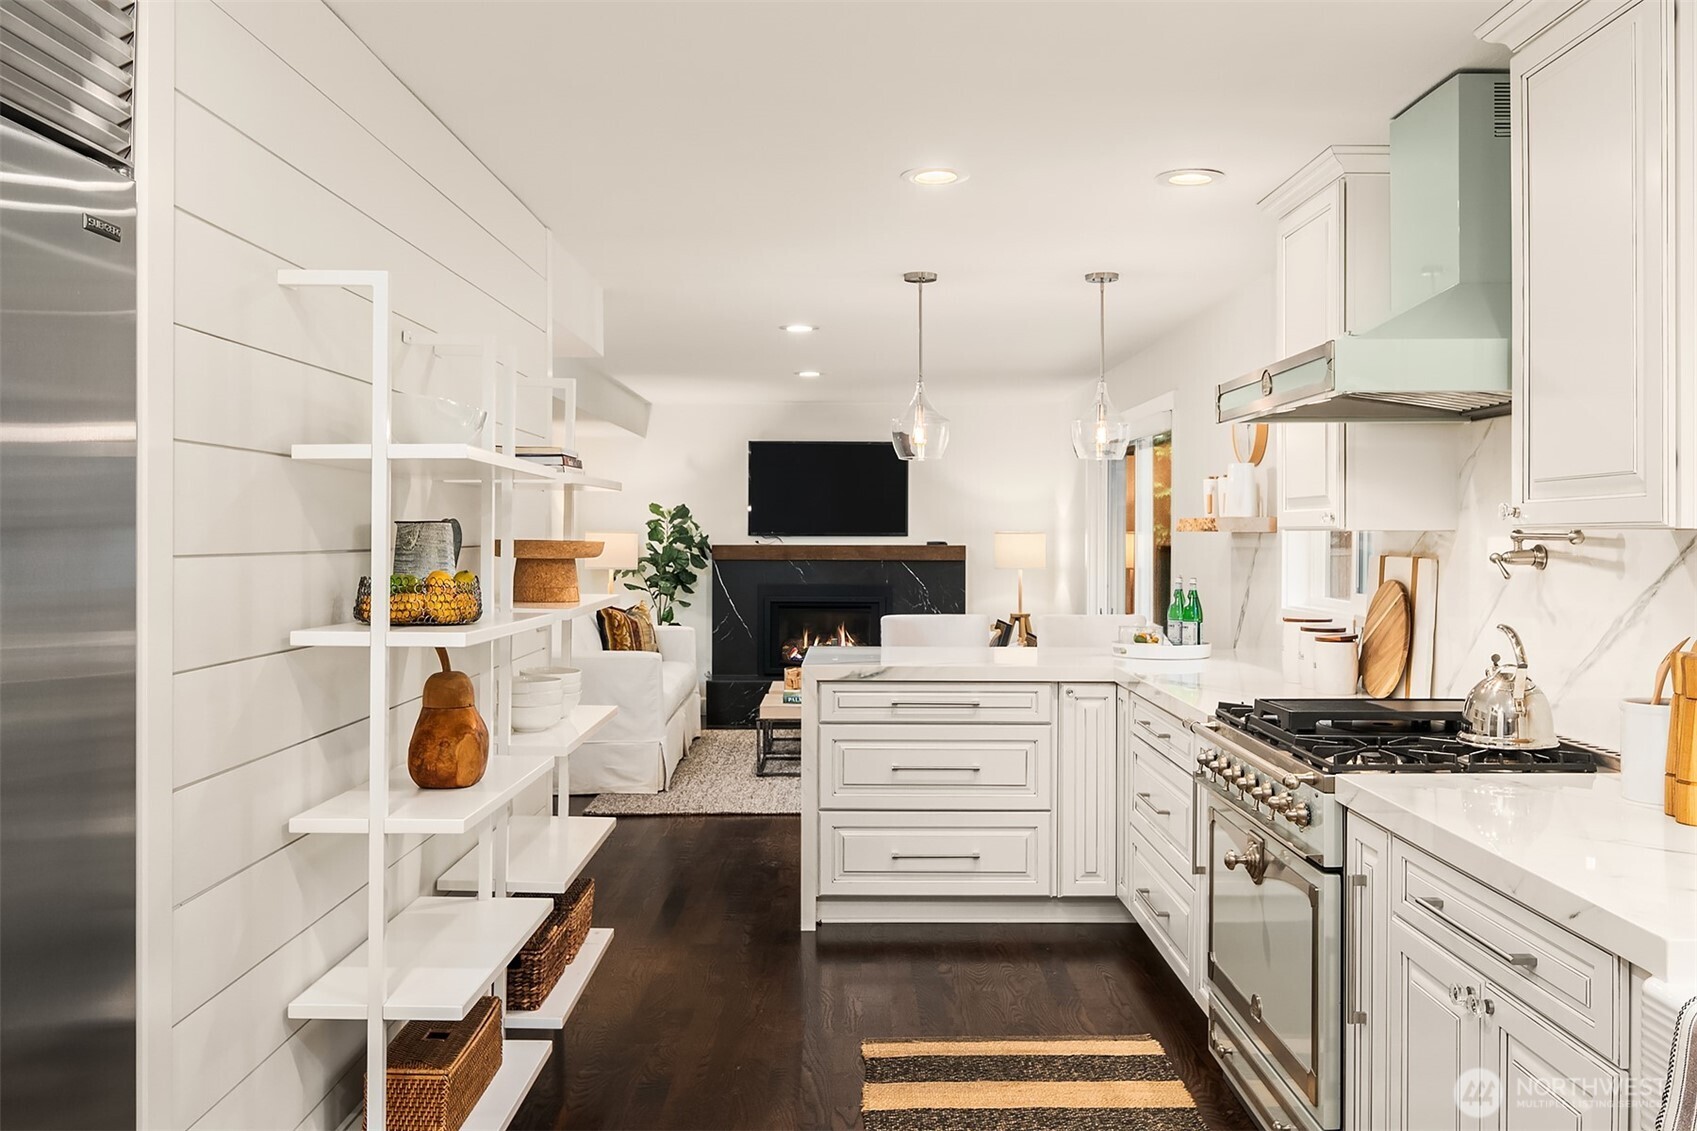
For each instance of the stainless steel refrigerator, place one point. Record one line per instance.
(67, 636)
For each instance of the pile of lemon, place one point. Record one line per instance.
(440, 598)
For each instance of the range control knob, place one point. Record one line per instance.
(1291, 781)
(1246, 783)
(1205, 756)
(1262, 792)
(1299, 816)
(1218, 765)
(1279, 802)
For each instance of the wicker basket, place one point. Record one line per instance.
(438, 1070)
(531, 976)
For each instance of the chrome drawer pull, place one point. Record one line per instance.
(1149, 800)
(934, 856)
(966, 706)
(1143, 894)
(937, 769)
(1525, 962)
(1150, 727)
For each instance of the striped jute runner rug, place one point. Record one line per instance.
(1051, 1084)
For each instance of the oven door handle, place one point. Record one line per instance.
(1354, 896)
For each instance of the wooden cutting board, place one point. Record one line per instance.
(1385, 640)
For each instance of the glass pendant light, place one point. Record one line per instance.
(921, 433)
(1100, 433)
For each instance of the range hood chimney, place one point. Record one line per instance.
(1444, 354)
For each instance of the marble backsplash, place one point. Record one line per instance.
(1595, 623)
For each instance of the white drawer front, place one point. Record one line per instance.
(937, 854)
(865, 701)
(936, 767)
(1166, 733)
(1161, 902)
(1161, 807)
(1570, 981)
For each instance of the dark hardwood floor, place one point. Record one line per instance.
(712, 1011)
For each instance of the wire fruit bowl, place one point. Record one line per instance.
(424, 602)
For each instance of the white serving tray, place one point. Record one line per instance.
(1164, 651)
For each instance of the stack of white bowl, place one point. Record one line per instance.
(538, 702)
(544, 696)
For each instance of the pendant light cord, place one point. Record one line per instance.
(1102, 339)
(921, 382)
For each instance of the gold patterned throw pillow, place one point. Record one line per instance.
(627, 630)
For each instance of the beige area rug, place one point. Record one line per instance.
(716, 776)
(1052, 1084)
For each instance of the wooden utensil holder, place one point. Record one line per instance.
(1680, 782)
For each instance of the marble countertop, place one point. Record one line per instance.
(1569, 846)
(1190, 689)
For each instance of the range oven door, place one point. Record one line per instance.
(1275, 923)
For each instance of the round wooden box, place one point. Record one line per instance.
(545, 571)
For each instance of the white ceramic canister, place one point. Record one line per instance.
(1643, 750)
(1243, 494)
(1337, 664)
(1305, 635)
(1290, 645)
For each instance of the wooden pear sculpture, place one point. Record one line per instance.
(450, 742)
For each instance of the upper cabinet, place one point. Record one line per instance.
(1333, 277)
(1601, 170)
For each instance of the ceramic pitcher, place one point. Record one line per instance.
(421, 547)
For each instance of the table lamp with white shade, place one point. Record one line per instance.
(1021, 550)
(619, 550)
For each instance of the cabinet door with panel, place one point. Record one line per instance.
(1547, 1081)
(1594, 363)
(1431, 1034)
(1366, 940)
(1310, 266)
(1088, 801)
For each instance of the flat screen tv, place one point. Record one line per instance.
(819, 487)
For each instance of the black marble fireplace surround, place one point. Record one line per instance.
(762, 595)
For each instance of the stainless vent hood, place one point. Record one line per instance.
(1445, 354)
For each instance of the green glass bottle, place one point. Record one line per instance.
(1176, 632)
(1193, 614)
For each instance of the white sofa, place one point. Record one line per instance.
(659, 700)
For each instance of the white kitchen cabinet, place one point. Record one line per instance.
(1333, 277)
(1547, 1081)
(1089, 737)
(1598, 413)
(1122, 817)
(1431, 1035)
(1366, 930)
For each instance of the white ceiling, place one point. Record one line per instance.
(726, 167)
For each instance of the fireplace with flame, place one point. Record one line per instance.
(795, 623)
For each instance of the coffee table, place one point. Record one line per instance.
(776, 715)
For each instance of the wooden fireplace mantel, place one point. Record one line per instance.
(777, 552)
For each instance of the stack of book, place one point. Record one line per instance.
(550, 456)
(793, 698)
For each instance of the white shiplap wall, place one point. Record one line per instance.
(294, 146)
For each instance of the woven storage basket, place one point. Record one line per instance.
(532, 976)
(438, 1070)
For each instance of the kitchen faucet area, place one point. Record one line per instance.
(917, 565)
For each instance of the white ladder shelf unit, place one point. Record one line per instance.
(441, 953)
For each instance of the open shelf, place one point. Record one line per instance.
(558, 1006)
(567, 734)
(443, 953)
(573, 477)
(521, 1064)
(461, 461)
(415, 810)
(544, 854)
(495, 625)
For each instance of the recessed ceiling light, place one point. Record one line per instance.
(798, 328)
(935, 176)
(808, 373)
(1190, 178)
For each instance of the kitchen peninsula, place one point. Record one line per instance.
(1310, 914)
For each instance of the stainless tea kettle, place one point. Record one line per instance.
(1505, 710)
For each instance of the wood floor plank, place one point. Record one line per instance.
(711, 1011)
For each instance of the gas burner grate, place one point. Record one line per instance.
(1358, 735)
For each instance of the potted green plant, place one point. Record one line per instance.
(667, 570)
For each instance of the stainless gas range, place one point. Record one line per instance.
(1275, 878)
